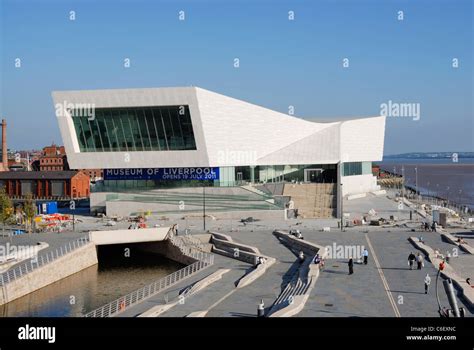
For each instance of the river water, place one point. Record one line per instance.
(441, 178)
(114, 276)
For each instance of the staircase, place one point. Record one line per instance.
(259, 192)
(298, 286)
(313, 200)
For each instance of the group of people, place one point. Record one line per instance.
(296, 233)
(427, 227)
(418, 258)
(365, 257)
(318, 261)
(260, 261)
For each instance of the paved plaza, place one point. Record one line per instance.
(385, 287)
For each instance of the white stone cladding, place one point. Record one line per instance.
(228, 132)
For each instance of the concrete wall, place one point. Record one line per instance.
(359, 184)
(296, 245)
(125, 208)
(224, 245)
(168, 250)
(63, 267)
(129, 236)
(97, 200)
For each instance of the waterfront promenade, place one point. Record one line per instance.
(383, 288)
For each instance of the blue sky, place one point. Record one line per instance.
(282, 62)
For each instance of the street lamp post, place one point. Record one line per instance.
(437, 193)
(403, 181)
(394, 175)
(342, 209)
(416, 182)
(428, 190)
(459, 200)
(73, 207)
(204, 205)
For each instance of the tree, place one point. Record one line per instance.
(29, 209)
(6, 207)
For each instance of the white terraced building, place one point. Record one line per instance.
(189, 130)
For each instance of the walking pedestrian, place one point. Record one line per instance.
(411, 260)
(419, 261)
(301, 257)
(351, 266)
(427, 283)
(365, 254)
(317, 259)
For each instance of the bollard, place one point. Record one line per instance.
(411, 215)
(261, 309)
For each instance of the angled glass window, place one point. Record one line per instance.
(152, 130)
(352, 168)
(135, 129)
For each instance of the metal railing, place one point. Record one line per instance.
(187, 247)
(193, 241)
(41, 260)
(121, 304)
(432, 199)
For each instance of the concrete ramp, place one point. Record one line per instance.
(129, 236)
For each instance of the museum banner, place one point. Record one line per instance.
(162, 174)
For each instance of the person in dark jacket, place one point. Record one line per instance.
(411, 260)
(351, 266)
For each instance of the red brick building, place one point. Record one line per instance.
(48, 184)
(53, 158)
(94, 174)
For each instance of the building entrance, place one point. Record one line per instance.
(313, 175)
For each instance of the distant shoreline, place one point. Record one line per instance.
(426, 161)
(442, 179)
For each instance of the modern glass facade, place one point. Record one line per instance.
(352, 168)
(357, 168)
(236, 176)
(135, 129)
(232, 176)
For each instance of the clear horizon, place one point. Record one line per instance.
(283, 62)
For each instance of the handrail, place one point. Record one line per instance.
(194, 242)
(42, 260)
(119, 305)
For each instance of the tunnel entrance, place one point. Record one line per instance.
(122, 268)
